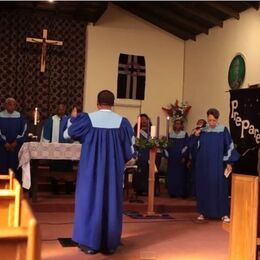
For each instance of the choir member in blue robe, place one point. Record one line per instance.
(54, 126)
(107, 144)
(177, 157)
(214, 152)
(201, 123)
(53, 133)
(140, 179)
(12, 135)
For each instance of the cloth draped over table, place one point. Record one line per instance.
(40, 150)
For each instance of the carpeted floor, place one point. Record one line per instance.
(177, 238)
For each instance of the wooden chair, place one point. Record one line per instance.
(10, 202)
(6, 181)
(23, 242)
(244, 218)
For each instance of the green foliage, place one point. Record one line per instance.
(160, 143)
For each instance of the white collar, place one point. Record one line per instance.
(107, 110)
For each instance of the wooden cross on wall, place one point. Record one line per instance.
(44, 42)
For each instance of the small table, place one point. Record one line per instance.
(41, 150)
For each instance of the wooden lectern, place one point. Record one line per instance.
(243, 227)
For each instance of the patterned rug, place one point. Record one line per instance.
(138, 215)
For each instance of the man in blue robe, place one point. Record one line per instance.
(140, 178)
(54, 125)
(214, 152)
(177, 156)
(12, 135)
(107, 144)
(53, 133)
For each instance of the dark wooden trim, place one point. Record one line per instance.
(166, 13)
(198, 13)
(254, 4)
(157, 21)
(221, 7)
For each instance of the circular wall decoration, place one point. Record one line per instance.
(236, 72)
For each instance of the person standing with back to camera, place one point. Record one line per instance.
(107, 144)
(214, 152)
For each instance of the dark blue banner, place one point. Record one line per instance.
(244, 122)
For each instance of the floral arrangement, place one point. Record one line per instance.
(143, 143)
(178, 110)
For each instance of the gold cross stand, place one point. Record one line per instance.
(44, 41)
(150, 209)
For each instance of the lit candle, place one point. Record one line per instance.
(153, 131)
(35, 116)
(138, 126)
(167, 126)
(158, 127)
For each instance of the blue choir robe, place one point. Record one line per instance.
(52, 132)
(177, 155)
(140, 179)
(12, 128)
(107, 144)
(192, 157)
(214, 149)
(53, 129)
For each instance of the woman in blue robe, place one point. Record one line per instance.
(214, 152)
(177, 157)
(107, 144)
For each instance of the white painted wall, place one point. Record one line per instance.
(121, 32)
(207, 62)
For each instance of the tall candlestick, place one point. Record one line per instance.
(167, 126)
(35, 116)
(148, 129)
(153, 131)
(138, 126)
(158, 127)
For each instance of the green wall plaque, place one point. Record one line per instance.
(236, 72)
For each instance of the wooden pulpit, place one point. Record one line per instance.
(243, 227)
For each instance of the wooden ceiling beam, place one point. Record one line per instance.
(101, 11)
(156, 21)
(90, 10)
(223, 8)
(83, 11)
(162, 11)
(254, 4)
(190, 9)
